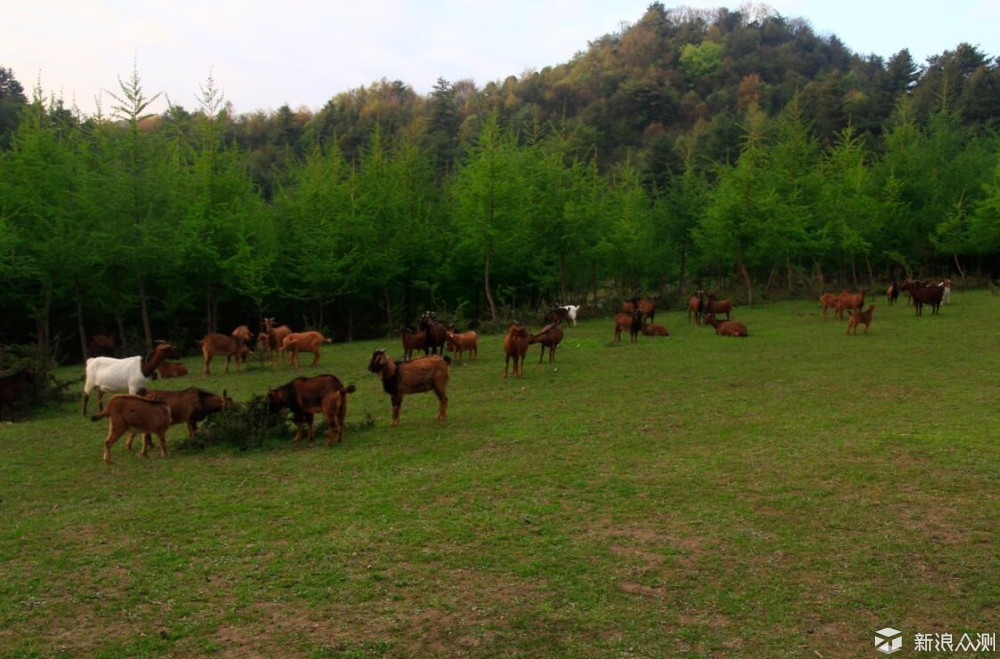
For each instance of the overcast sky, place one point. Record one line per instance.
(265, 54)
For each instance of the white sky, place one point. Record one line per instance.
(265, 54)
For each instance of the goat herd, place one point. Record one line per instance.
(149, 413)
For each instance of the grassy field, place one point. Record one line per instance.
(782, 495)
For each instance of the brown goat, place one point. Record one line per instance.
(171, 370)
(412, 341)
(557, 315)
(297, 342)
(850, 302)
(696, 305)
(828, 301)
(921, 295)
(632, 322)
(550, 337)
(515, 346)
(716, 307)
(860, 318)
(273, 336)
(428, 373)
(652, 329)
(436, 334)
(220, 345)
(463, 341)
(726, 327)
(188, 406)
(307, 396)
(135, 414)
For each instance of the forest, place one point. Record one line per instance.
(733, 150)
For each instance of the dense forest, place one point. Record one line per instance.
(737, 150)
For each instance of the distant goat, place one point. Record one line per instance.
(428, 373)
(850, 302)
(297, 342)
(557, 315)
(132, 373)
(710, 305)
(462, 342)
(307, 396)
(135, 414)
(550, 337)
(436, 334)
(726, 327)
(892, 293)
(515, 347)
(631, 321)
(571, 311)
(412, 341)
(696, 306)
(921, 295)
(273, 336)
(652, 329)
(101, 345)
(828, 301)
(171, 370)
(860, 318)
(13, 386)
(220, 345)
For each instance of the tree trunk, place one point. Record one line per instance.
(958, 267)
(489, 293)
(81, 330)
(147, 332)
(747, 283)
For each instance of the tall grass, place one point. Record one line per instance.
(783, 495)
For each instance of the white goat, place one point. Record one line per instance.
(571, 310)
(132, 373)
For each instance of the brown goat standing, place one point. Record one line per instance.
(463, 341)
(135, 414)
(515, 346)
(550, 337)
(696, 305)
(850, 302)
(632, 321)
(862, 318)
(297, 342)
(188, 406)
(307, 396)
(428, 373)
(274, 336)
(412, 341)
(220, 345)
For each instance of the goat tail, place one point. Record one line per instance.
(350, 389)
(100, 415)
(447, 359)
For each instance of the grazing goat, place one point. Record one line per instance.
(428, 373)
(828, 301)
(726, 327)
(131, 373)
(860, 318)
(515, 346)
(297, 342)
(696, 306)
(631, 321)
(436, 334)
(188, 406)
(550, 337)
(101, 345)
(307, 396)
(220, 345)
(463, 341)
(921, 295)
(13, 386)
(571, 311)
(850, 302)
(652, 329)
(171, 370)
(273, 336)
(710, 305)
(556, 315)
(135, 414)
(412, 341)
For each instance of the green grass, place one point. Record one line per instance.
(783, 495)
